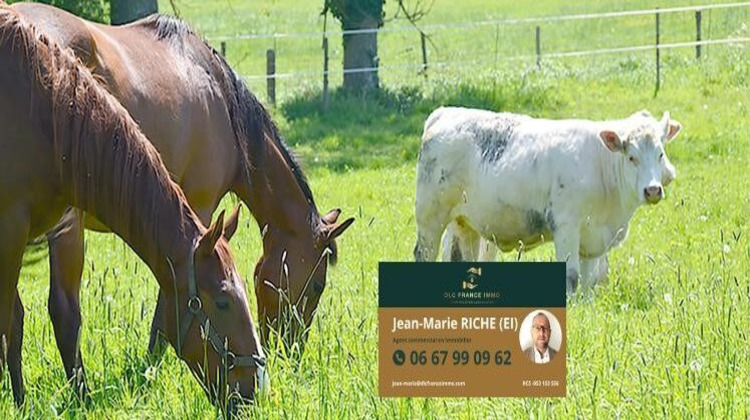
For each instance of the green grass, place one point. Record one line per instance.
(665, 337)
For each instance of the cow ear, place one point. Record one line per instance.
(208, 241)
(611, 140)
(671, 127)
(230, 226)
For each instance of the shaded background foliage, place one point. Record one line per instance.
(352, 12)
(96, 10)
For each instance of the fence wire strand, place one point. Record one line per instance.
(464, 25)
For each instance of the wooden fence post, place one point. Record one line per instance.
(538, 47)
(424, 55)
(698, 18)
(325, 73)
(658, 55)
(271, 75)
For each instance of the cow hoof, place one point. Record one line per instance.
(572, 281)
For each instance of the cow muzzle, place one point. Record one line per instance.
(653, 194)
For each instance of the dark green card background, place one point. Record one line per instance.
(431, 285)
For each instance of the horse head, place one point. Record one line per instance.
(211, 325)
(290, 277)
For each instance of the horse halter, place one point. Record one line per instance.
(229, 360)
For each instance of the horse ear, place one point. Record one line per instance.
(334, 231)
(208, 241)
(331, 217)
(230, 227)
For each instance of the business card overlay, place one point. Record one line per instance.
(472, 330)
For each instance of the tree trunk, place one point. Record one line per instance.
(361, 52)
(126, 11)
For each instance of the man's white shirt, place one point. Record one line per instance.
(541, 358)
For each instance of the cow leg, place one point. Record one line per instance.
(487, 251)
(593, 271)
(427, 245)
(14, 231)
(603, 269)
(433, 214)
(589, 268)
(66, 268)
(428, 237)
(464, 244)
(451, 247)
(567, 246)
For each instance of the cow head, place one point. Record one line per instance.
(640, 142)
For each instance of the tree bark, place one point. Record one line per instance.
(126, 11)
(361, 52)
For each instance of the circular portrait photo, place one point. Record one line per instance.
(540, 336)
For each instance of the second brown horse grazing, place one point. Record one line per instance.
(66, 141)
(215, 137)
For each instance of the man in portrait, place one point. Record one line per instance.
(540, 351)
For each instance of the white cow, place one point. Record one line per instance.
(518, 181)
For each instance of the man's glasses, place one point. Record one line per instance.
(541, 328)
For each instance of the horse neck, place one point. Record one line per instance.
(110, 170)
(274, 196)
(105, 166)
(157, 226)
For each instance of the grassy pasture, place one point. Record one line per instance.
(665, 337)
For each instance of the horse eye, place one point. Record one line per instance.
(633, 160)
(222, 302)
(318, 287)
(661, 156)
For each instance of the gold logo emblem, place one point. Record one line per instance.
(474, 273)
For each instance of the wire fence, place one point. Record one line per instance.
(457, 25)
(405, 58)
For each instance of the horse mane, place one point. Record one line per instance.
(166, 27)
(250, 120)
(105, 162)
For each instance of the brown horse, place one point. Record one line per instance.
(66, 141)
(215, 137)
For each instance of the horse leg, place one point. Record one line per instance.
(66, 268)
(14, 352)
(14, 231)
